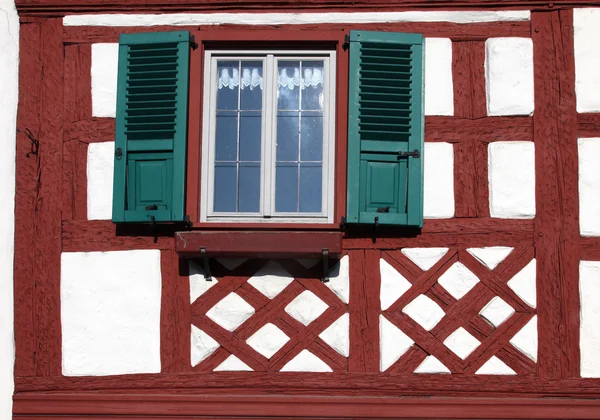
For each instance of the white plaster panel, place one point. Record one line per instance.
(110, 312)
(523, 283)
(491, 256)
(232, 363)
(9, 51)
(439, 92)
(231, 311)
(509, 76)
(271, 279)
(339, 279)
(268, 340)
(306, 307)
(203, 345)
(198, 284)
(526, 340)
(192, 19)
(393, 284)
(458, 280)
(495, 366)
(425, 258)
(337, 335)
(438, 188)
(393, 343)
(461, 343)
(105, 62)
(431, 365)
(589, 184)
(424, 312)
(100, 171)
(589, 337)
(586, 25)
(512, 179)
(497, 311)
(305, 361)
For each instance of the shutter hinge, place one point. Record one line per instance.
(346, 43)
(415, 153)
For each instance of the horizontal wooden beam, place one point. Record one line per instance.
(258, 244)
(89, 404)
(437, 129)
(58, 7)
(588, 125)
(590, 249)
(454, 31)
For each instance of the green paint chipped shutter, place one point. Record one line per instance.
(151, 127)
(385, 121)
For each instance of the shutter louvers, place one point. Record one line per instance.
(151, 127)
(385, 129)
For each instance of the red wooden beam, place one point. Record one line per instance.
(86, 405)
(590, 249)
(588, 125)
(557, 220)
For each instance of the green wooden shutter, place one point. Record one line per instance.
(151, 127)
(385, 121)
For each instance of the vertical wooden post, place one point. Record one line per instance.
(557, 223)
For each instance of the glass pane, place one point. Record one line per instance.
(225, 187)
(310, 188)
(251, 85)
(250, 130)
(287, 136)
(311, 143)
(228, 84)
(312, 85)
(249, 195)
(288, 82)
(226, 136)
(286, 187)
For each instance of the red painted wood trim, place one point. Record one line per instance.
(468, 72)
(46, 240)
(78, 82)
(590, 249)
(175, 316)
(455, 31)
(267, 244)
(303, 406)
(74, 184)
(445, 129)
(27, 182)
(588, 125)
(482, 192)
(557, 223)
(54, 7)
(341, 129)
(104, 235)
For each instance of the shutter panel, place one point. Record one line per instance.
(385, 123)
(151, 127)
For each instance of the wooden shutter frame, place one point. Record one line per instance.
(177, 204)
(414, 215)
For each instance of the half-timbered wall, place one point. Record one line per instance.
(495, 297)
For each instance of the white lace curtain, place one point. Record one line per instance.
(251, 78)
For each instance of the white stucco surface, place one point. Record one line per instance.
(339, 279)
(424, 312)
(432, 365)
(268, 340)
(438, 189)
(198, 284)
(9, 51)
(458, 280)
(105, 60)
(271, 279)
(496, 311)
(586, 25)
(495, 366)
(526, 340)
(232, 363)
(337, 335)
(203, 345)
(306, 361)
(231, 311)
(511, 176)
(393, 343)
(439, 92)
(523, 283)
(425, 258)
(462, 343)
(100, 171)
(491, 256)
(306, 307)
(509, 76)
(110, 312)
(589, 184)
(589, 333)
(191, 19)
(393, 284)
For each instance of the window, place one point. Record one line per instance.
(268, 130)
(267, 148)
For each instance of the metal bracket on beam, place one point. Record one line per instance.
(205, 260)
(325, 278)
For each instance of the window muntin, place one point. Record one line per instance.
(268, 137)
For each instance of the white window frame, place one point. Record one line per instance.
(267, 212)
